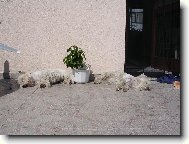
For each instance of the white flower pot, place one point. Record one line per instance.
(81, 76)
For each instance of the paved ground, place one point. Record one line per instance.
(88, 109)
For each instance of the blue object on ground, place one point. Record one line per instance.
(169, 79)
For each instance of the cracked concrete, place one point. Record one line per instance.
(88, 109)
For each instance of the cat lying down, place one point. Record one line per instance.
(45, 78)
(124, 81)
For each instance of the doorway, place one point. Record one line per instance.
(152, 35)
(135, 47)
(138, 34)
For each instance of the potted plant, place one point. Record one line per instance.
(75, 59)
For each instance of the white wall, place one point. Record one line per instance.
(43, 29)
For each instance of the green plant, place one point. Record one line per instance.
(75, 58)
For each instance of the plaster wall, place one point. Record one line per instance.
(43, 29)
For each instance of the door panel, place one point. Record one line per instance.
(166, 33)
(135, 42)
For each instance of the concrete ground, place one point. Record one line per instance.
(89, 109)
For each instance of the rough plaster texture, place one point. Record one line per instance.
(43, 30)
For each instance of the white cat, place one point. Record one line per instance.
(124, 81)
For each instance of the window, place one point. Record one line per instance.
(136, 19)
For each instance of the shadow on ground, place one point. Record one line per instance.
(8, 86)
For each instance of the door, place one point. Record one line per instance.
(138, 34)
(166, 34)
(135, 34)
